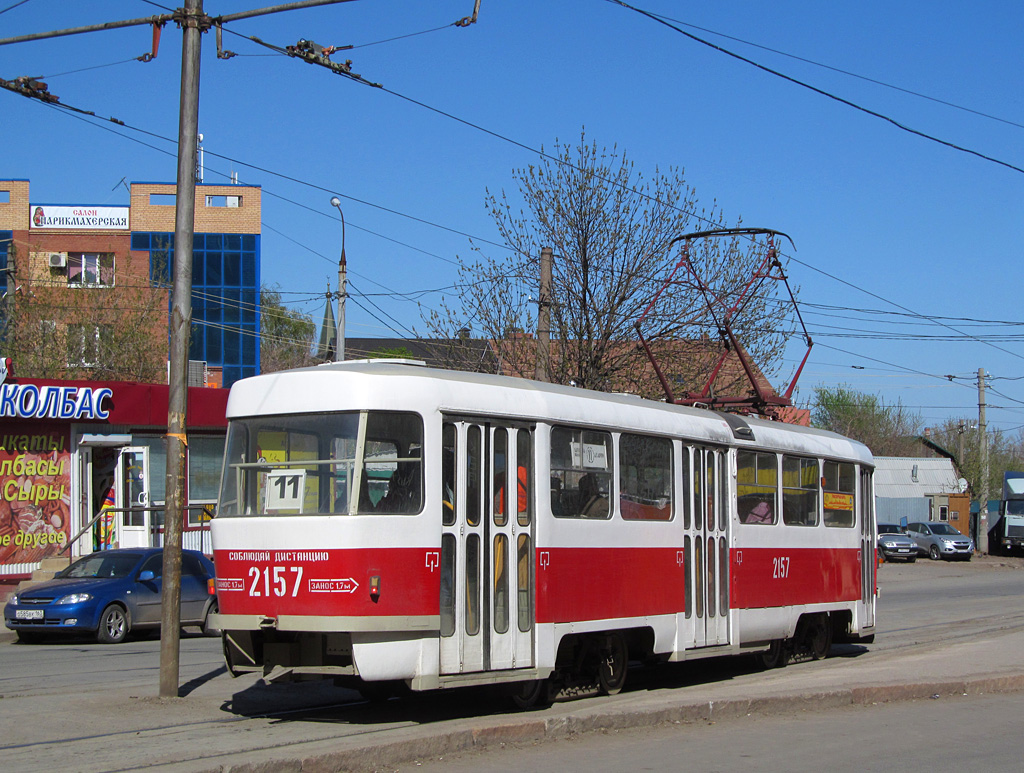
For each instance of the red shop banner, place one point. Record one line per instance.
(35, 493)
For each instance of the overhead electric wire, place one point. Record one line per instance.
(933, 320)
(841, 71)
(12, 7)
(699, 217)
(816, 90)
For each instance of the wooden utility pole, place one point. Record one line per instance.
(544, 317)
(983, 443)
(193, 23)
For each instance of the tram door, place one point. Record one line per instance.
(709, 564)
(487, 582)
(866, 519)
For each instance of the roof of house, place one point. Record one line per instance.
(431, 350)
(907, 476)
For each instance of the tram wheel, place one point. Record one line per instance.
(776, 656)
(819, 637)
(533, 694)
(613, 659)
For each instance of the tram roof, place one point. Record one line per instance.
(362, 382)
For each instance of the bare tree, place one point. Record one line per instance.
(116, 332)
(610, 229)
(1005, 452)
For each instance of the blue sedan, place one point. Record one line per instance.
(111, 593)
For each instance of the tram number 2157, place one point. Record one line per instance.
(274, 580)
(780, 567)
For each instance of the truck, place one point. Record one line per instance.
(1006, 530)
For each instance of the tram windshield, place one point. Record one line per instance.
(354, 463)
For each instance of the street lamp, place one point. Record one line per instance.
(339, 347)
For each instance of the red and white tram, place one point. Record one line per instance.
(387, 522)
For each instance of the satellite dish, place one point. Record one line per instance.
(962, 485)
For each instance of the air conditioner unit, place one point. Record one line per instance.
(58, 260)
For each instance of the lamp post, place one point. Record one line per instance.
(339, 347)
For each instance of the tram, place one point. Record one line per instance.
(383, 523)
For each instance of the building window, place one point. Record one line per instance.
(90, 269)
(943, 513)
(224, 201)
(85, 344)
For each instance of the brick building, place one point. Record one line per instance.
(92, 267)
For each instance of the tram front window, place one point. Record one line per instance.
(350, 463)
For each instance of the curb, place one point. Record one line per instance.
(528, 730)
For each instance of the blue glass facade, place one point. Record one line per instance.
(225, 296)
(5, 247)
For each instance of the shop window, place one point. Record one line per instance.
(90, 269)
(205, 454)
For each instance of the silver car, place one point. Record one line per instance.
(894, 545)
(938, 539)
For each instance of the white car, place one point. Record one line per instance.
(938, 539)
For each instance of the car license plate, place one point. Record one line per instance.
(28, 614)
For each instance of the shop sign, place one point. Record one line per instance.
(28, 401)
(79, 218)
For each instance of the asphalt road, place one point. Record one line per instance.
(93, 704)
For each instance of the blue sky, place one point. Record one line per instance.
(884, 222)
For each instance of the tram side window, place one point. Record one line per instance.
(645, 478)
(799, 491)
(581, 475)
(393, 464)
(838, 483)
(757, 486)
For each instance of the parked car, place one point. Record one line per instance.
(894, 545)
(110, 593)
(940, 540)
